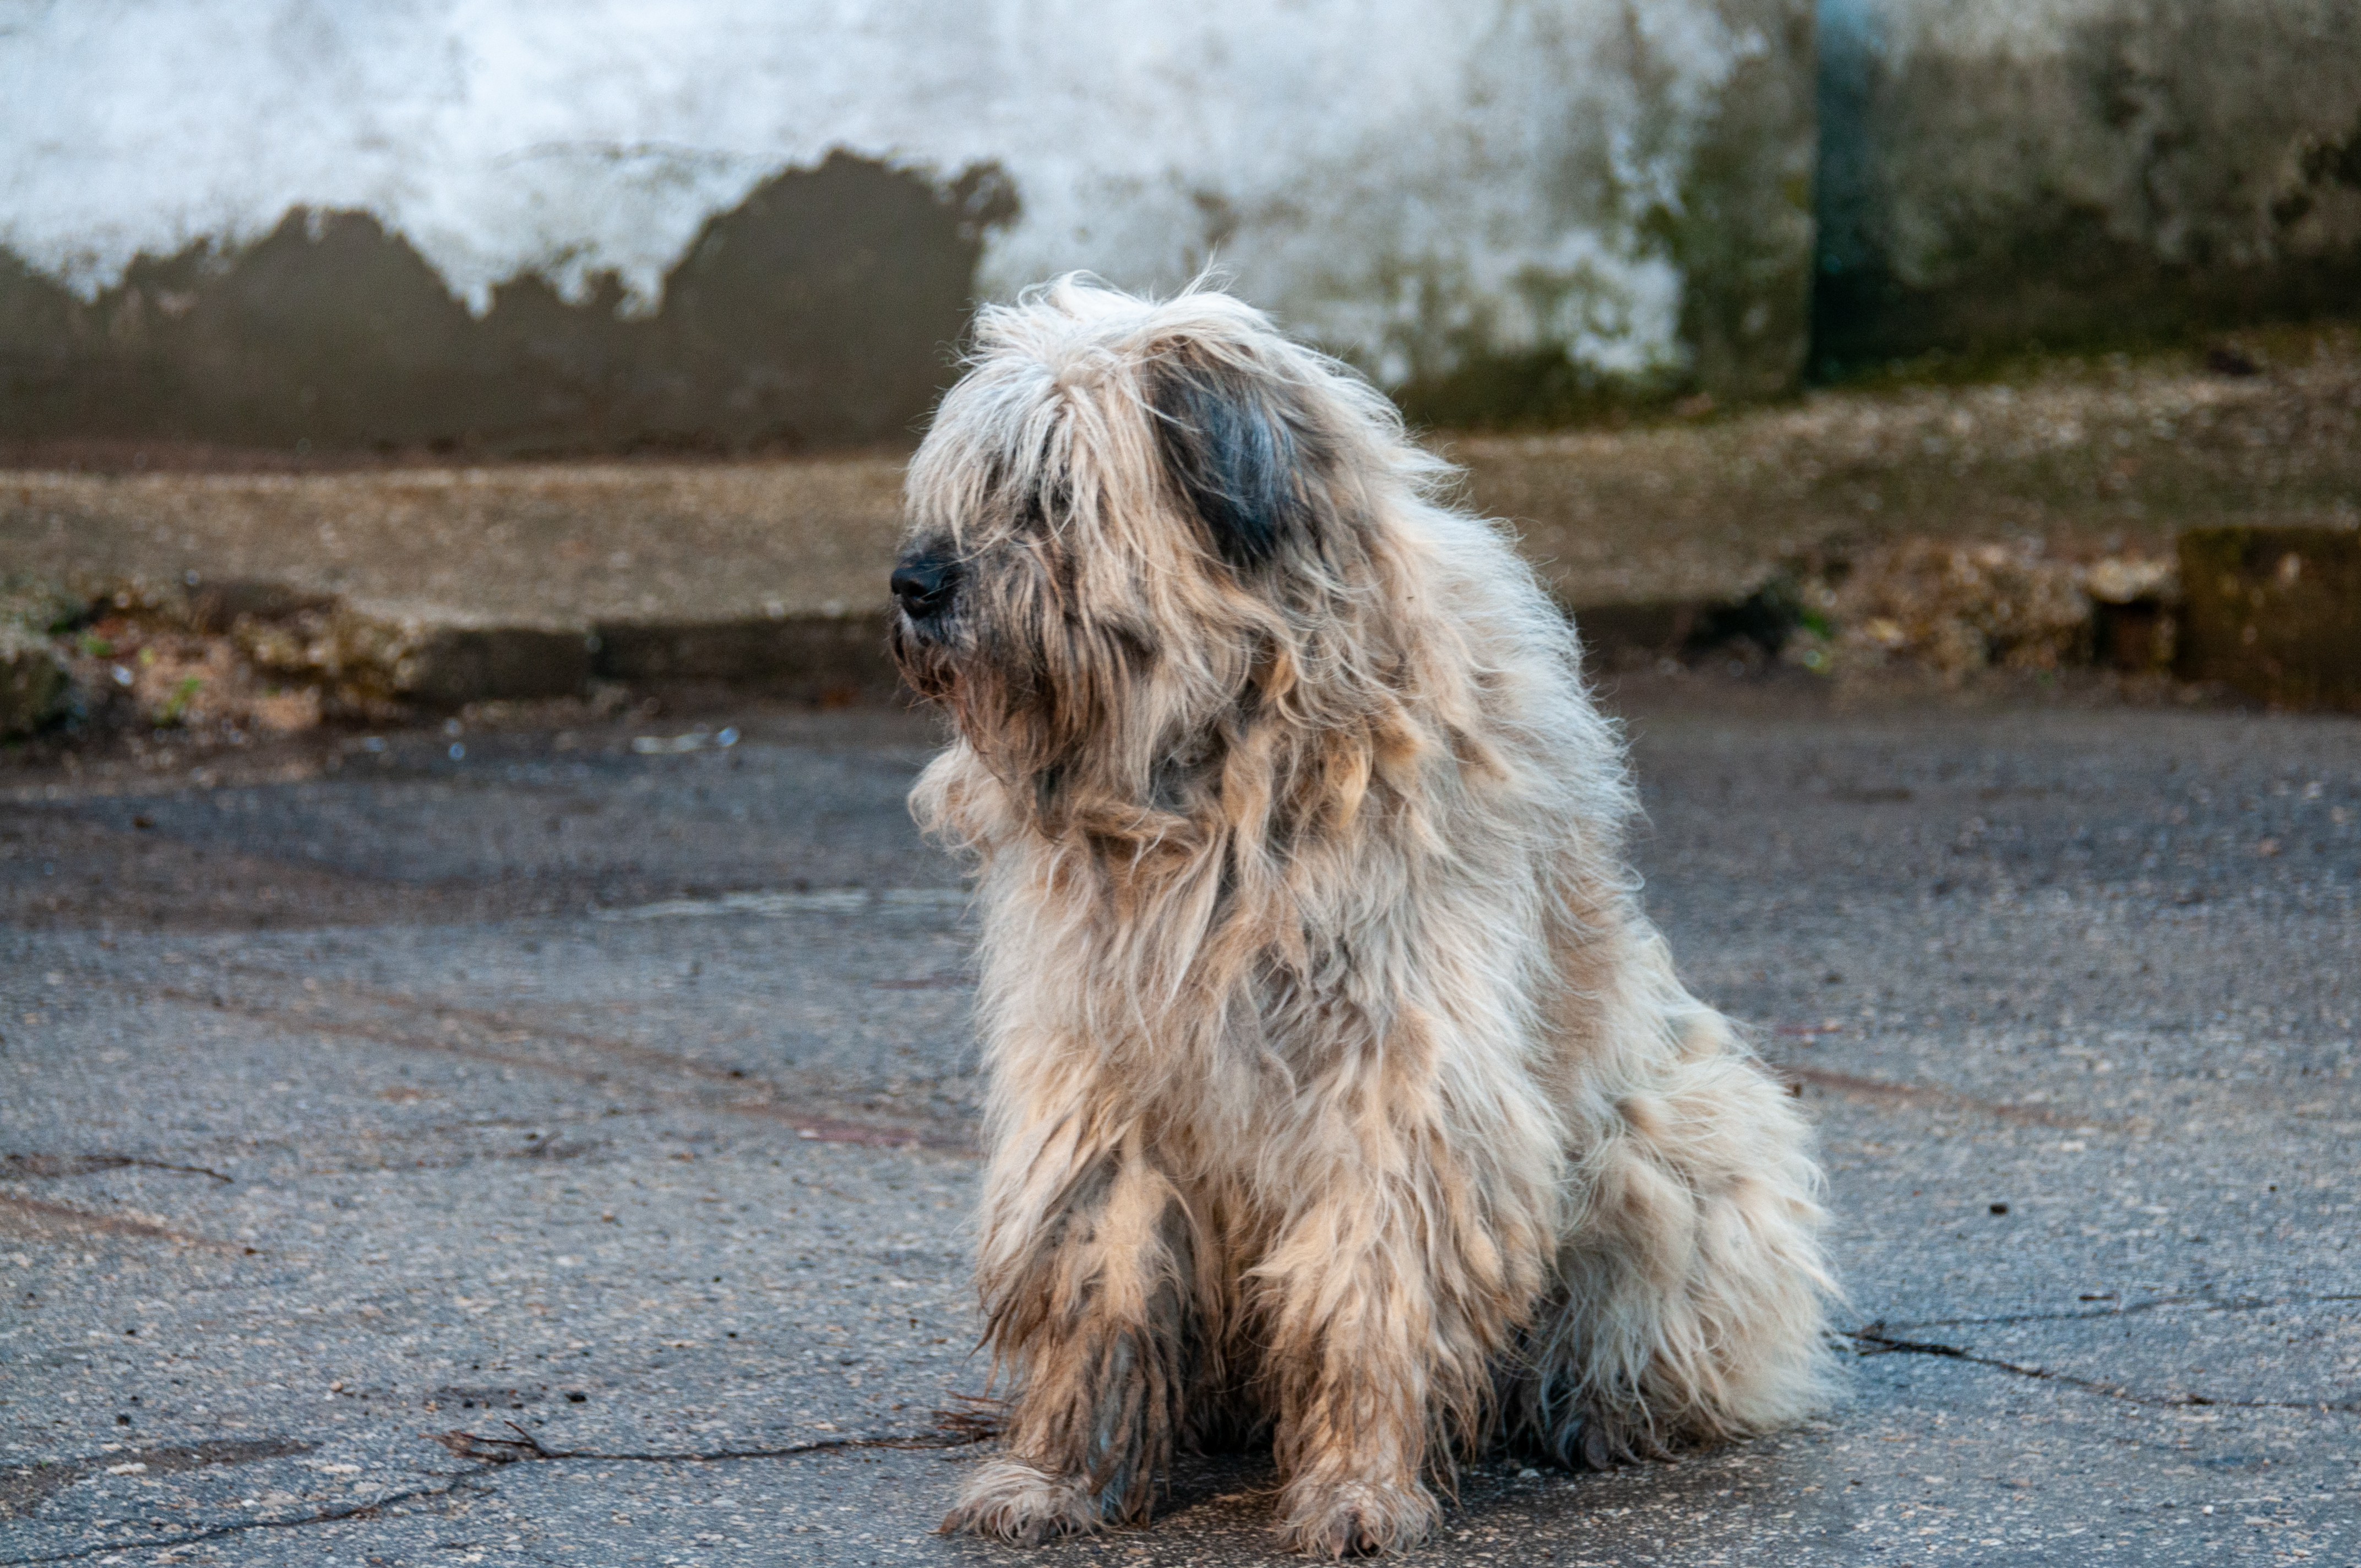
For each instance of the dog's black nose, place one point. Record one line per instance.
(923, 586)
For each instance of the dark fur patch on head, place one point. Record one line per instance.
(1237, 453)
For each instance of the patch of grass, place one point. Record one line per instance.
(176, 708)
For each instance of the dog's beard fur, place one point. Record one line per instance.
(1340, 1090)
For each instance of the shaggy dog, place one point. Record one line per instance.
(1342, 1096)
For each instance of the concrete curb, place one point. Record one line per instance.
(2275, 612)
(824, 659)
(32, 683)
(809, 658)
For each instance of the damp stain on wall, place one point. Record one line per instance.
(2082, 171)
(822, 311)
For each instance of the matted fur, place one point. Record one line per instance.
(1340, 1091)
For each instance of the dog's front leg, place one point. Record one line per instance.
(1086, 1270)
(1374, 1351)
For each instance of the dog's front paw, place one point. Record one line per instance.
(1011, 1501)
(1354, 1518)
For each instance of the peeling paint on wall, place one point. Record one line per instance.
(1472, 201)
(1993, 171)
(813, 313)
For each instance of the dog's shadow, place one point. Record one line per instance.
(1221, 1506)
(1220, 1485)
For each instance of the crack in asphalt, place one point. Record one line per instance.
(953, 1428)
(1932, 1095)
(818, 1129)
(50, 1166)
(24, 1488)
(1878, 1342)
(2130, 1309)
(38, 1214)
(496, 1022)
(214, 1533)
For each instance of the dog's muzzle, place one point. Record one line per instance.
(924, 585)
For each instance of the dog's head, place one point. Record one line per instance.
(1132, 525)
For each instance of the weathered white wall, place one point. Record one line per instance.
(1410, 180)
(1999, 169)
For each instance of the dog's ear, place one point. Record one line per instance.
(1237, 451)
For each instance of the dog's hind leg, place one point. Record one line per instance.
(1690, 1289)
(1087, 1269)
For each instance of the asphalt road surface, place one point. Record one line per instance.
(559, 1152)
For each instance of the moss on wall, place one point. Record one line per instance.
(2106, 171)
(1737, 232)
(1744, 234)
